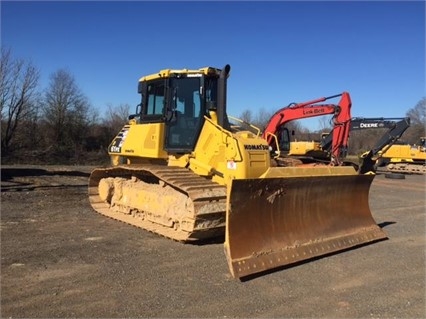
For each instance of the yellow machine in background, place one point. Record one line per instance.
(182, 170)
(406, 158)
(310, 149)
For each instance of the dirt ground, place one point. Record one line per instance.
(59, 259)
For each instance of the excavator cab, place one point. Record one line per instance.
(284, 140)
(422, 143)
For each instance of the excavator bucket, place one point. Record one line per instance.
(296, 216)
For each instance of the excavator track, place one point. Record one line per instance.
(407, 168)
(169, 201)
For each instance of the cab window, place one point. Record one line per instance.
(153, 101)
(155, 98)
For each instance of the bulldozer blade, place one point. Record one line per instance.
(273, 222)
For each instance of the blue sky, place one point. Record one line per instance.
(279, 51)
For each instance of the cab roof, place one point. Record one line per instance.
(166, 73)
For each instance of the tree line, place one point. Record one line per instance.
(58, 124)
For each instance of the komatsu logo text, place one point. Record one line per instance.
(256, 147)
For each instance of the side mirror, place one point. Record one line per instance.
(137, 115)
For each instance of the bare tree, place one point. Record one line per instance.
(117, 116)
(18, 95)
(66, 111)
(262, 118)
(103, 132)
(246, 116)
(417, 116)
(325, 123)
(418, 113)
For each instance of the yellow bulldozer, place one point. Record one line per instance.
(183, 169)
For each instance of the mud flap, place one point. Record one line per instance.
(274, 222)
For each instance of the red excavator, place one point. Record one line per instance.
(278, 136)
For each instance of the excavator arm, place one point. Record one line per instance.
(395, 131)
(296, 111)
(396, 127)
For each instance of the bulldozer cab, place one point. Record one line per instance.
(180, 102)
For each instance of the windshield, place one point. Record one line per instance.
(186, 97)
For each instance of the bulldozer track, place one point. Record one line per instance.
(207, 201)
